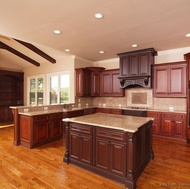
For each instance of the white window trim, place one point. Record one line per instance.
(48, 85)
(28, 88)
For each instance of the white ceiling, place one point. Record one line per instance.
(161, 24)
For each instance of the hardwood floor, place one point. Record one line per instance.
(43, 167)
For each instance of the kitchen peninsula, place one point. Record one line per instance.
(118, 147)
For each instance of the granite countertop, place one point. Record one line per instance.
(49, 111)
(121, 122)
(35, 113)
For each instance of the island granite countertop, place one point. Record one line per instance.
(120, 122)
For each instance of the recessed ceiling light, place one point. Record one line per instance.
(57, 31)
(98, 15)
(101, 52)
(134, 45)
(188, 35)
(67, 50)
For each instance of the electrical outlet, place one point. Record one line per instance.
(25, 109)
(79, 100)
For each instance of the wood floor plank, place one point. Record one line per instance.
(43, 167)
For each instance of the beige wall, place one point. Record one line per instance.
(66, 62)
(167, 56)
(63, 63)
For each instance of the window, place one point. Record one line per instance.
(59, 88)
(36, 90)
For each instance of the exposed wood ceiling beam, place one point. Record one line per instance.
(37, 51)
(10, 49)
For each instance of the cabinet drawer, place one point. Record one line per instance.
(75, 113)
(154, 114)
(173, 115)
(106, 110)
(81, 128)
(56, 116)
(41, 118)
(110, 133)
(116, 111)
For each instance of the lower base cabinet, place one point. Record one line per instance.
(169, 124)
(41, 129)
(81, 143)
(110, 156)
(173, 125)
(113, 153)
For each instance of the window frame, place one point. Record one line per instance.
(49, 75)
(36, 77)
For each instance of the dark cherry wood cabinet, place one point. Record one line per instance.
(55, 126)
(83, 82)
(187, 58)
(81, 143)
(136, 63)
(156, 123)
(173, 125)
(11, 94)
(111, 150)
(40, 129)
(110, 84)
(95, 83)
(73, 113)
(109, 111)
(89, 111)
(113, 153)
(170, 80)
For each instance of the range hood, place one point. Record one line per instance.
(136, 68)
(126, 82)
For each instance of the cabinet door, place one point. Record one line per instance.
(115, 84)
(102, 154)
(117, 155)
(55, 126)
(144, 64)
(56, 129)
(156, 122)
(177, 85)
(105, 84)
(86, 149)
(87, 82)
(134, 65)
(75, 145)
(178, 128)
(95, 84)
(161, 81)
(124, 66)
(80, 82)
(41, 132)
(167, 127)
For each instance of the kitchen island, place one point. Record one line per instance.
(118, 147)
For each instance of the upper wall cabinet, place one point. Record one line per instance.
(97, 82)
(83, 82)
(170, 80)
(110, 85)
(135, 66)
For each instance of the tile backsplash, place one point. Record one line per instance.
(136, 97)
